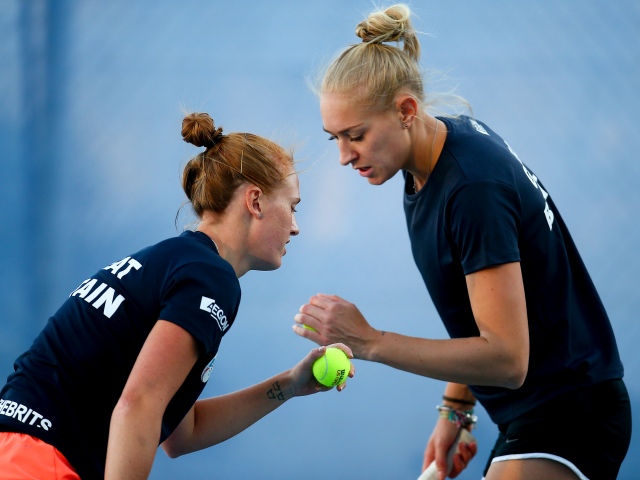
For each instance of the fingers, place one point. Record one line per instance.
(466, 451)
(438, 446)
(306, 363)
(316, 353)
(310, 317)
(352, 368)
(323, 296)
(325, 302)
(306, 331)
(427, 458)
(303, 381)
(309, 334)
(315, 309)
(342, 347)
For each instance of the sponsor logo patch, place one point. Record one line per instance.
(209, 305)
(206, 373)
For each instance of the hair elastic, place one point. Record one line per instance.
(458, 400)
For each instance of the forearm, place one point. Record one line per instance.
(217, 419)
(458, 396)
(133, 442)
(468, 361)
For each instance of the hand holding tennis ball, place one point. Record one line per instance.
(307, 379)
(332, 369)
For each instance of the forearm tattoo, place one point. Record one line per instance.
(275, 392)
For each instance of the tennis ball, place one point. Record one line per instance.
(309, 328)
(332, 368)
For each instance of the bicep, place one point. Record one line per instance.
(498, 302)
(163, 363)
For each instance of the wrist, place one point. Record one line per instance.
(462, 418)
(370, 349)
(283, 388)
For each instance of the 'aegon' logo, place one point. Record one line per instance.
(209, 305)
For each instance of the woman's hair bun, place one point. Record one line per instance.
(198, 129)
(388, 25)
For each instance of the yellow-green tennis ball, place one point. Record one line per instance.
(309, 328)
(332, 368)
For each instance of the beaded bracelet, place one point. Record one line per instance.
(462, 418)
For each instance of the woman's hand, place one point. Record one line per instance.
(335, 320)
(302, 381)
(442, 438)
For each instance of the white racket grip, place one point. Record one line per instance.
(431, 472)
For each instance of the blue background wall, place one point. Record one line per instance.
(92, 95)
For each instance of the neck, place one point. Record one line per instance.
(428, 147)
(225, 241)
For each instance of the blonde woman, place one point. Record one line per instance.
(530, 338)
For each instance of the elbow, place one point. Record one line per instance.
(516, 373)
(175, 445)
(516, 379)
(170, 450)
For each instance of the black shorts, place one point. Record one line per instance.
(588, 430)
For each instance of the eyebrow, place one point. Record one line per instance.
(345, 131)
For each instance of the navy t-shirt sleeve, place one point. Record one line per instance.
(483, 221)
(202, 300)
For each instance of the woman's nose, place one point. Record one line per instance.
(347, 154)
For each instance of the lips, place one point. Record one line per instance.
(364, 171)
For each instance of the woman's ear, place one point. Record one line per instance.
(253, 198)
(407, 108)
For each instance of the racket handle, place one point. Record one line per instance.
(431, 472)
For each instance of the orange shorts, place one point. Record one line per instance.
(24, 457)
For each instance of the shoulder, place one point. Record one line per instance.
(187, 239)
(193, 250)
(477, 151)
(187, 244)
(466, 134)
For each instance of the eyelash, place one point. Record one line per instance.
(352, 139)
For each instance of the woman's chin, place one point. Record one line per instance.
(267, 266)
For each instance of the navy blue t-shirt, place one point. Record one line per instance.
(483, 207)
(65, 387)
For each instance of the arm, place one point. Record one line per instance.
(162, 365)
(499, 356)
(166, 358)
(214, 420)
